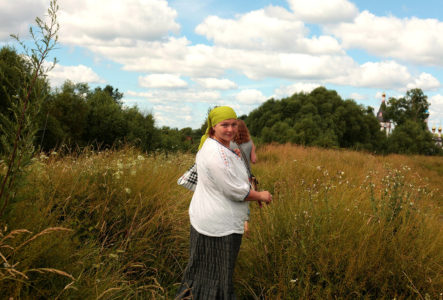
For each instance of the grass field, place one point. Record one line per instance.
(114, 225)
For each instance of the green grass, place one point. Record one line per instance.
(343, 225)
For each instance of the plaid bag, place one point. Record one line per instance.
(189, 179)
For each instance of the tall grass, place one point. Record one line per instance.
(343, 225)
(128, 218)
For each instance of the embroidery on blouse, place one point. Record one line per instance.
(223, 156)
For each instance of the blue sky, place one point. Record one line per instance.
(175, 59)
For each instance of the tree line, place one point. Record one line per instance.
(322, 118)
(76, 116)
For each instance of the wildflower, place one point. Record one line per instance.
(140, 157)
(128, 190)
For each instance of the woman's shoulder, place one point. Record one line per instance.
(215, 152)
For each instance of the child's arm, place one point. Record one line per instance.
(253, 155)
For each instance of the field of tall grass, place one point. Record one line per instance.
(114, 225)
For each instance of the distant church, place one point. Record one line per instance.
(437, 135)
(385, 124)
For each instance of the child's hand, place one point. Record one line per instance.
(246, 227)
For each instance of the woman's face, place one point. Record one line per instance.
(225, 131)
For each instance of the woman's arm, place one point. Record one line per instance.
(263, 196)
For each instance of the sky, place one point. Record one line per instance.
(176, 59)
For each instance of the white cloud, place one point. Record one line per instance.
(425, 82)
(76, 74)
(250, 96)
(174, 55)
(215, 83)
(16, 16)
(138, 94)
(384, 75)
(387, 75)
(323, 11)
(163, 96)
(271, 28)
(162, 81)
(287, 91)
(436, 109)
(357, 96)
(115, 22)
(174, 116)
(410, 39)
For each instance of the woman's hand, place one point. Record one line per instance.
(265, 196)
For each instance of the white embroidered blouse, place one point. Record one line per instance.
(217, 207)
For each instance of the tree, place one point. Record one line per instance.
(409, 114)
(141, 131)
(106, 123)
(320, 118)
(18, 132)
(411, 138)
(414, 106)
(64, 117)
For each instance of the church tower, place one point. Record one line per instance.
(385, 124)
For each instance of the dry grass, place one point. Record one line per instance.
(343, 225)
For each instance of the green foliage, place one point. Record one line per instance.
(413, 107)
(25, 79)
(64, 117)
(410, 135)
(320, 118)
(75, 116)
(412, 138)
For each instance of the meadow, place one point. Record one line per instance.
(114, 225)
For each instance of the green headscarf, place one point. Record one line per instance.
(217, 115)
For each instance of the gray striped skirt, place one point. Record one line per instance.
(210, 269)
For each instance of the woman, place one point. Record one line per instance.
(242, 140)
(218, 209)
